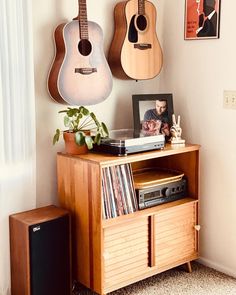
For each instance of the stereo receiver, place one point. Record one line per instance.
(162, 193)
(157, 186)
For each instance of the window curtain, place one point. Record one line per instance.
(17, 122)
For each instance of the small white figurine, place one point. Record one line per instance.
(176, 132)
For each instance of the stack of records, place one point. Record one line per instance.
(119, 196)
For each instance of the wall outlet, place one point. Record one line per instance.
(229, 99)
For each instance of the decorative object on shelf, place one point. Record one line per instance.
(80, 74)
(202, 19)
(84, 130)
(176, 131)
(152, 114)
(135, 52)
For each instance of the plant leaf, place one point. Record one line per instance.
(56, 136)
(71, 112)
(89, 142)
(97, 139)
(105, 129)
(85, 111)
(63, 111)
(92, 115)
(80, 138)
(66, 121)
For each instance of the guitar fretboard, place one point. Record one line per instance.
(83, 21)
(141, 7)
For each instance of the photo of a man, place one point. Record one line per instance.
(153, 114)
(158, 117)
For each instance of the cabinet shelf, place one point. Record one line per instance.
(146, 212)
(160, 237)
(106, 160)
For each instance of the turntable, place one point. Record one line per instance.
(122, 142)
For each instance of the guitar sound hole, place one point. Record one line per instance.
(84, 47)
(141, 22)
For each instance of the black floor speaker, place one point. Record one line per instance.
(40, 244)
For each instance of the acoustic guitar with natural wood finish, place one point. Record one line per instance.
(135, 52)
(80, 74)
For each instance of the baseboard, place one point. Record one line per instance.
(218, 267)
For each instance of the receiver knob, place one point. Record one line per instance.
(166, 192)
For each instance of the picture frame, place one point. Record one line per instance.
(152, 114)
(202, 19)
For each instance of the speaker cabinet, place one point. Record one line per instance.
(40, 247)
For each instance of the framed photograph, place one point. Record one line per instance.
(202, 19)
(152, 114)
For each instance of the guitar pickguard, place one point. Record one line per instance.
(133, 33)
(138, 24)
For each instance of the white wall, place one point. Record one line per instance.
(196, 72)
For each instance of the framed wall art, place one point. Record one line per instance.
(152, 114)
(202, 19)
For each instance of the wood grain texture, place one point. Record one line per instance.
(146, 212)
(132, 251)
(56, 65)
(172, 245)
(125, 59)
(79, 189)
(107, 160)
(150, 272)
(20, 262)
(117, 41)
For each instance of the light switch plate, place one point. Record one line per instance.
(229, 99)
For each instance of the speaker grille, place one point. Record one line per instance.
(50, 257)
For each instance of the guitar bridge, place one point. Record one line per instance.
(142, 46)
(85, 71)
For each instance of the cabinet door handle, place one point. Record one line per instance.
(197, 227)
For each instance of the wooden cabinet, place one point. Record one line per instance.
(112, 253)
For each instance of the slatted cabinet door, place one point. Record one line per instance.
(126, 252)
(175, 235)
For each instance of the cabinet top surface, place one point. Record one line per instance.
(103, 159)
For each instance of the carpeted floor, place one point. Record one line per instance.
(202, 281)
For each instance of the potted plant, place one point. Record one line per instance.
(83, 130)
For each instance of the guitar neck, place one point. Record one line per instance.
(141, 7)
(83, 21)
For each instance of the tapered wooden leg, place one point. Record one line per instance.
(189, 267)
